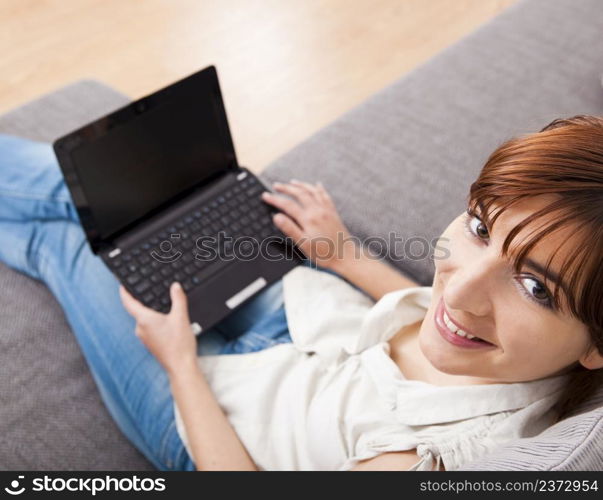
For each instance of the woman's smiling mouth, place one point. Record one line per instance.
(455, 335)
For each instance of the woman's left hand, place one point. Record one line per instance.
(169, 337)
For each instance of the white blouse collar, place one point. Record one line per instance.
(423, 403)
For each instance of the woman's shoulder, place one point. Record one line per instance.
(462, 441)
(461, 423)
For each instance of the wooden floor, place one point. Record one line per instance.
(287, 67)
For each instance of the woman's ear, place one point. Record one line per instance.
(592, 359)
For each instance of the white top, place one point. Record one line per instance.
(333, 396)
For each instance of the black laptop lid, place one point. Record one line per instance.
(128, 165)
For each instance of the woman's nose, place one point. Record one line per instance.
(469, 288)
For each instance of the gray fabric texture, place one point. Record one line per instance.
(402, 160)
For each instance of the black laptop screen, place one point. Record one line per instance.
(151, 157)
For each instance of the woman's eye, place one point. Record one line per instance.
(536, 291)
(475, 226)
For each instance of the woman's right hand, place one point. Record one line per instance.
(311, 221)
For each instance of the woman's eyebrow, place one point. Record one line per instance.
(552, 276)
(531, 263)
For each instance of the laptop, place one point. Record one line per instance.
(162, 198)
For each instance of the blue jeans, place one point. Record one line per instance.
(41, 236)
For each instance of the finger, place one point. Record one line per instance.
(323, 193)
(288, 226)
(133, 306)
(179, 300)
(306, 186)
(290, 207)
(302, 195)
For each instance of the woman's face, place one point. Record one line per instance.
(479, 291)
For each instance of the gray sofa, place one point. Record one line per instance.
(403, 160)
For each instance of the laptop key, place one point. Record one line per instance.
(133, 279)
(142, 287)
(148, 297)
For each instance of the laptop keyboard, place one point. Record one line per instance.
(197, 245)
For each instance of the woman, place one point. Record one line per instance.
(382, 374)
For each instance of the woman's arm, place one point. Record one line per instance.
(169, 337)
(375, 277)
(311, 220)
(213, 442)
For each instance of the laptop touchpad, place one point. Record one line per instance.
(216, 297)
